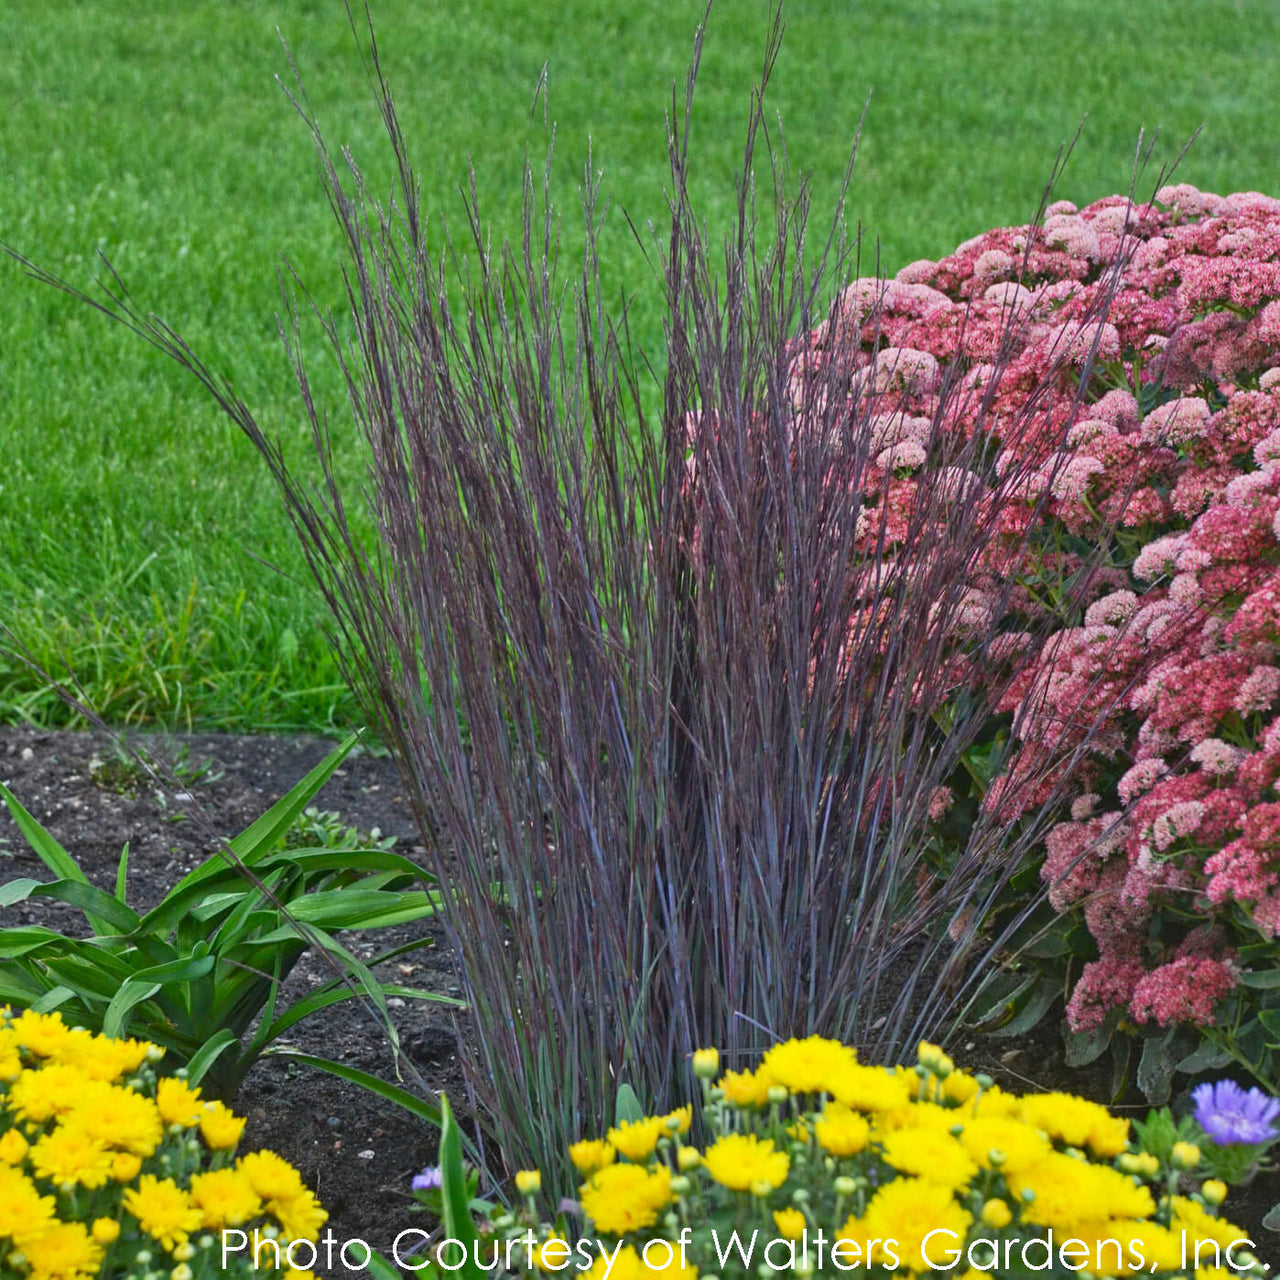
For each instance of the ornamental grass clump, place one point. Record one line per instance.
(108, 1171)
(815, 1163)
(1168, 844)
(672, 720)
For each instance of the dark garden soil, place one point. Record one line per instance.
(356, 1150)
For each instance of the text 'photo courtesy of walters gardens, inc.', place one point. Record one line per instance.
(939, 1248)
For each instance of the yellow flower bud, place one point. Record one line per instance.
(125, 1166)
(928, 1055)
(1214, 1192)
(13, 1147)
(1186, 1155)
(845, 1186)
(706, 1063)
(105, 1230)
(761, 1187)
(688, 1158)
(995, 1213)
(591, 1155)
(790, 1223)
(1141, 1163)
(528, 1182)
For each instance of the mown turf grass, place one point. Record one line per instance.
(132, 519)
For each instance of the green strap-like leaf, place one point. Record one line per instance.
(362, 908)
(419, 1107)
(122, 872)
(455, 1197)
(260, 838)
(253, 844)
(21, 942)
(116, 1018)
(208, 1054)
(53, 999)
(627, 1108)
(107, 916)
(318, 1000)
(146, 983)
(50, 852)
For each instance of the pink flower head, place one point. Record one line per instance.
(1184, 991)
(1073, 235)
(904, 368)
(1178, 420)
(940, 802)
(1189, 201)
(1115, 608)
(1215, 756)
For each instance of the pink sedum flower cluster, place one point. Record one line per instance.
(1170, 412)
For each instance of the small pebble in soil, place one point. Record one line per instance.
(333, 1122)
(367, 1155)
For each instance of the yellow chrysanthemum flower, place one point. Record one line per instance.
(120, 1118)
(740, 1160)
(125, 1166)
(993, 1104)
(220, 1127)
(871, 1089)
(1077, 1122)
(959, 1087)
(790, 1223)
(621, 1198)
(682, 1118)
(629, 1265)
(163, 1209)
(69, 1155)
(919, 1115)
(271, 1176)
(178, 1102)
(903, 1212)
(811, 1065)
(224, 1198)
(591, 1154)
(63, 1251)
(637, 1139)
(10, 1058)
(300, 1215)
(13, 1147)
(50, 1092)
(100, 1057)
(1070, 1192)
(1199, 1224)
(744, 1088)
(1159, 1247)
(841, 1131)
(40, 1033)
(937, 1157)
(1019, 1145)
(23, 1210)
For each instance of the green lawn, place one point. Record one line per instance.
(131, 516)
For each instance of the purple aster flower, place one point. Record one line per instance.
(1230, 1114)
(428, 1180)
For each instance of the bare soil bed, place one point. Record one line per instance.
(356, 1150)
